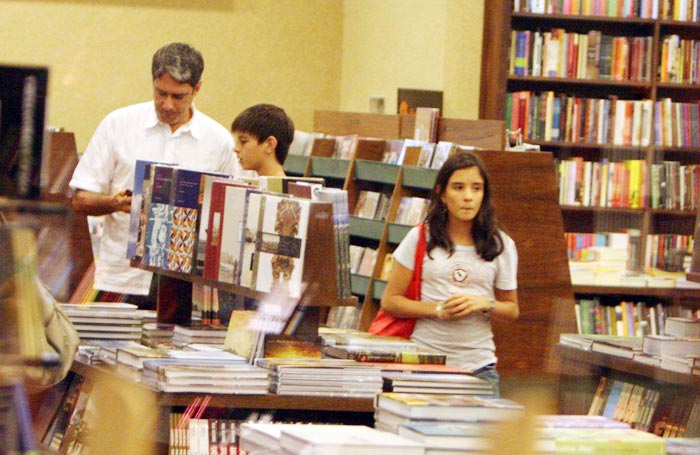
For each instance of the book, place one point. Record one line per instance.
(345, 440)
(203, 230)
(577, 421)
(249, 254)
(231, 233)
(442, 435)
(140, 197)
(467, 408)
(450, 382)
(379, 355)
(217, 217)
(682, 327)
(281, 244)
(600, 441)
(160, 217)
(187, 200)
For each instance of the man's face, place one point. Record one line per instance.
(173, 100)
(250, 152)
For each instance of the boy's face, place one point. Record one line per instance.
(251, 153)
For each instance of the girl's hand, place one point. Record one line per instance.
(460, 306)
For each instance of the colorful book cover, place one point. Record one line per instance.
(160, 216)
(142, 181)
(281, 244)
(183, 233)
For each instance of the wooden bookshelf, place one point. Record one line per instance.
(501, 21)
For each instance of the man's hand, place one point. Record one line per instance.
(121, 202)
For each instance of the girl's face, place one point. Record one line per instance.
(464, 194)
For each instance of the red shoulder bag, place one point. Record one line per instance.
(386, 325)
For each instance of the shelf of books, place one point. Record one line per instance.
(610, 93)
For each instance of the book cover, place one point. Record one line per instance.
(242, 335)
(183, 232)
(139, 202)
(248, 259)
(160, 216)
(217, 215)
(468, 408)
(231, 232)
(346, 440)
(203, 228)
(389, 356)
(281, 243)
(455, 436)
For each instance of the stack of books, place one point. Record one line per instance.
(321, 439)
(395, 409)
(439, 383)
(199, 333)
(365, 347)
(679, 348)
(105, 321)
(206, 375)
(157, 334)
(322, 377)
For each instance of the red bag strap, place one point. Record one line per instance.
(420, 253)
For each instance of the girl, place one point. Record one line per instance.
(469, 271)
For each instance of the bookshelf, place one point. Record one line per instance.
(523, 200)
(500, 81)
(582, 371)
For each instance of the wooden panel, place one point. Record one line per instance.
(486, 134)
(525, 195)
(368, 125)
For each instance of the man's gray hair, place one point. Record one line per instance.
(181, 61)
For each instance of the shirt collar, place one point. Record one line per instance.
(192, 126)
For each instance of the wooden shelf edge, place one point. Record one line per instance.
(627, 366)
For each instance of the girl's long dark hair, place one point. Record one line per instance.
(485, 228)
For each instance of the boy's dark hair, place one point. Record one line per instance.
(263, 121)
(181, 61)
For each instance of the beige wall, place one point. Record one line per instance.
(99, 52)
(301, 54)
(422, 44)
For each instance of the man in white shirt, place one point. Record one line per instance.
(167, 129)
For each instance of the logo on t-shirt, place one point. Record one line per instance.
(460, 273)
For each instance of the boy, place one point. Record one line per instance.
(262, 135)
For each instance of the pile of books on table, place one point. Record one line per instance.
(365, 347)
(199, 333)
(205, 371)
(105, 321)
(321, 439)
(322, 377)
(438, 383)
(157, 334)
(395, 409)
